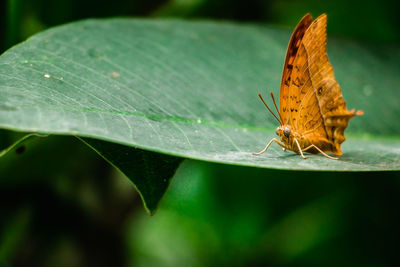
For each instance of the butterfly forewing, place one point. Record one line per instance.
(288, 67)
(312, 66)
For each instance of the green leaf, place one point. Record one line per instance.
(19, 144)
(150, 172)
(189, 89)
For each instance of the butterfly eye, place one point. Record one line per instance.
(277, 131)
(286, 131)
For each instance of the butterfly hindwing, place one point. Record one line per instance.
(327, 92)
(312, 90)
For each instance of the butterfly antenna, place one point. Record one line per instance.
(276, 107)
(265, 104)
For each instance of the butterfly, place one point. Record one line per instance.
(312, 112)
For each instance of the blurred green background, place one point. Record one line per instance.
(62, 205)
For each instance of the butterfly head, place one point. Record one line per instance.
(283, 131)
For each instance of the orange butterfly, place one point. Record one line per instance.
(313, 113)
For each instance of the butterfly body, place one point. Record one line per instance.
(288, 137)
(312, 112)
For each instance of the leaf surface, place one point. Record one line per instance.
(189, 89)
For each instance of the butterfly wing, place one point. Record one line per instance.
(286, 90)
(316, 106)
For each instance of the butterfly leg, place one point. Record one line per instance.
(298, 146)
(267, 146)
(322, 152)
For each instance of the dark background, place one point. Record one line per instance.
(62, 205)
